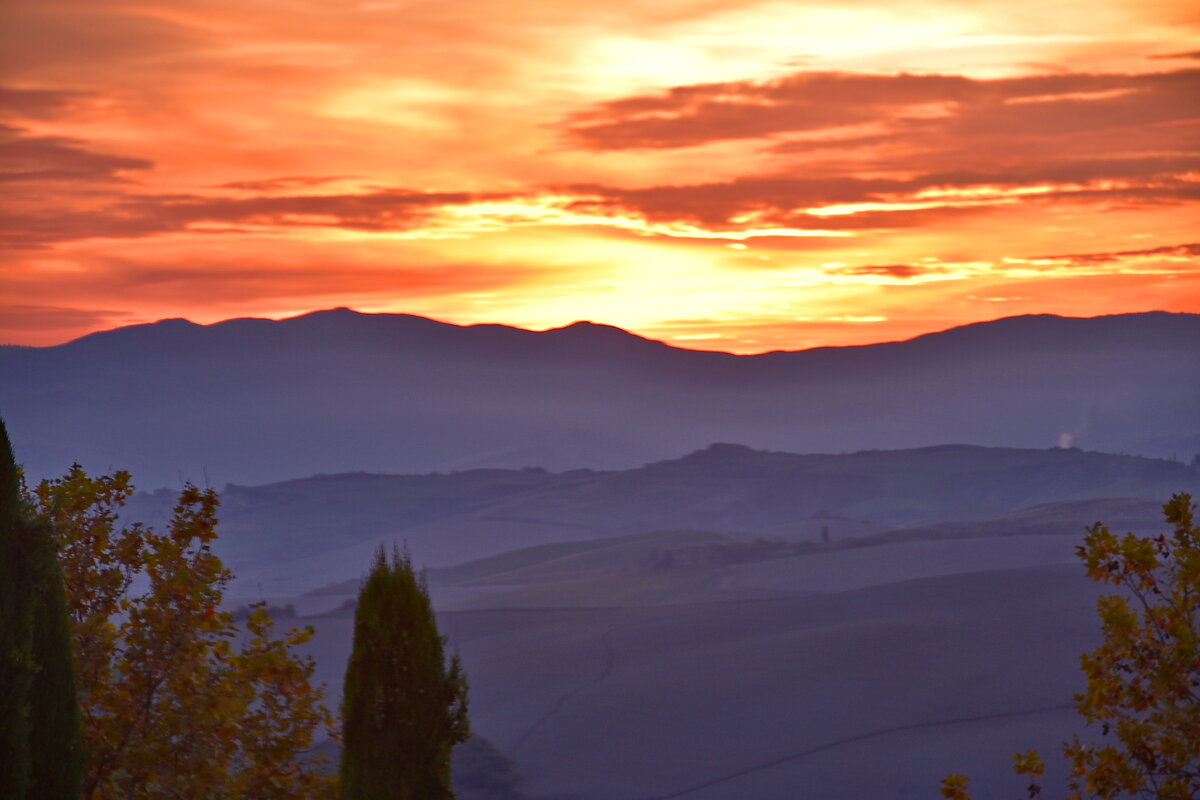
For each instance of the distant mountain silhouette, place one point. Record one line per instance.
(251, 400)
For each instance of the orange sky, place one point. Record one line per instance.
(742, 176)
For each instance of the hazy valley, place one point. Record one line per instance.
(669, 573)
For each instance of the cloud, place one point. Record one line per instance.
(31, 225)
(851, 151)
(17, 317)
(845, 152)
(807, 101)
(61, 189)
(280, 184)
(1183, 252)
(38, 103)
(72, 193)
(396, 209)
(778, 206)
(56, 158)
(847, 203)
(719, 203)
(887, 270)
(1190, 54)
(65, 37)
(822, 101)
(290, 274)
(254, 151)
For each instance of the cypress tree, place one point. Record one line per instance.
(16, 633)
(41, 754)
(55, 732)
(403, 706)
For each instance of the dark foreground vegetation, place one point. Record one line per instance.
(179, 698)
(41, 752)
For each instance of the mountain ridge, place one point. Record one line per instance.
(255, 401)
(416, 322)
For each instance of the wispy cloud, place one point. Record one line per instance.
(1179, 255)
(18, 317)
(900, 271)
(29, 157)
(534, 163)
(289, 183)
(911, 105)
(18, 103)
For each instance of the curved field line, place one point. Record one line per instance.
(851, 740)
(610, 661)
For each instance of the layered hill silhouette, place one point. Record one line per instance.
(749, 665)
(601, 676)
(252, 401)
(304, 533)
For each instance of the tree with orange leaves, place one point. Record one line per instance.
(1143, 681)
(177, 700)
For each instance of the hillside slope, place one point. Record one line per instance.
(752, 699)
(305, 533)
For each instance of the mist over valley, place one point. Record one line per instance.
(669, 573)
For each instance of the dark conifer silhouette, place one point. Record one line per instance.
(41, 754)
(404, 707)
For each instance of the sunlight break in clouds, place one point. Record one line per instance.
(741, 176)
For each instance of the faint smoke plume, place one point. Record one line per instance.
(1065, 439)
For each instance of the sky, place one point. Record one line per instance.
(742, 176)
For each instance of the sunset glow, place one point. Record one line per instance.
(740, 176)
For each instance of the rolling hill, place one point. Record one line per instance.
(716, 699)
(920, 651)
(297, 535)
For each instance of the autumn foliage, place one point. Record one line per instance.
(1143, 681)
(177, 700)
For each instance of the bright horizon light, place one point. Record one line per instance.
(736, 176)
